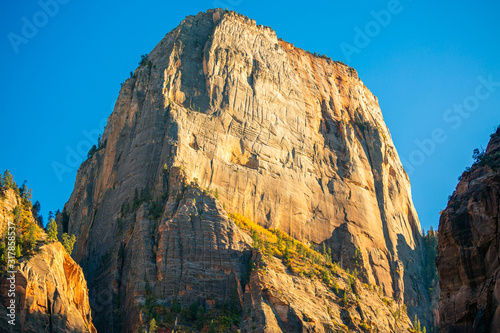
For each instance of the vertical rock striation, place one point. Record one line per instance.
(293, 141)
(469, 249)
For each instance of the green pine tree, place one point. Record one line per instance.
(32, 237)
(68, 242)
(52, 230)
(286, 255)
(344, 298)
(8, 180)
(3, 251)
(18, 251)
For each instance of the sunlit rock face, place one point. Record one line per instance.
(469, 249)
(47, 285)
(51, 294)
(290, 140)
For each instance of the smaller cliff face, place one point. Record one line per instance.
(50, 289)
(277, 300)
(469, 249)
(51, 294)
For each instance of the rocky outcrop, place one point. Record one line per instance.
(189, 252)
(469, 249)
(47, 285)
(278, 301)
(50, 292)
(293, 141)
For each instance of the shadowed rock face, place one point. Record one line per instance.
(290, 140)
(469, 250)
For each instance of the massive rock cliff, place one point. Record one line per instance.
(469, 249)
(223, 116)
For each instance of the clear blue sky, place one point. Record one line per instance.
(421, 61)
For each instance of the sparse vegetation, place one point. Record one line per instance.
(152, 326)
(52, 230)
(417, 327)
(296, 256)
(400, 312)
(430, 271)
(7, 182)
(480, 158)
(497, 131)
(361, 125)
(24, 216)
(365, 326)
(144, 59)
(156, 209)
(195, 317)
(92, 151)
(68, 242)
(304, 261)
(95, 148)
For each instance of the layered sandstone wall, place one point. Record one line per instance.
(288, 139)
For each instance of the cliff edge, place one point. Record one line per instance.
(469, 248)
